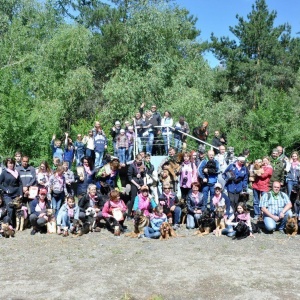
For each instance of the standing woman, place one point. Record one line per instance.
(87, 177)
(188, 175)
(69, 151)
(293, 173)
(57, 184)
(79, 150)
(137, 177)
(11, 185)
(166, 122)
(261, 185)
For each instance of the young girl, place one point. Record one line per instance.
(43, 175)
(68, 212)
(156, 219)
(114, 211)
(242, 215)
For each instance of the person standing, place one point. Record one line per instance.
(114, 132)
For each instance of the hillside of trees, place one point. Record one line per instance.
(66, 63)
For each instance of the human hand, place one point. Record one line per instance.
(162, 203)
(204, 179)
(205, 170)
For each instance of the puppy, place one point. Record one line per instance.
(241, 231)
(166, 231)
(21, 214)
(7, 230)
(291, 227)
(219, 220)
(51, 224)
(206, 224)
(140, 221)
(81, 228)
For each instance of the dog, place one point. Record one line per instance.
(183, 206)
(91, 216)
(51, 224)
(255, 170)
(140, 221)
(166, 231)
(241, 231)
(219, 220)
(80, 228)
(7, 230)
(206, 224)
(291, 227)
(21, 214)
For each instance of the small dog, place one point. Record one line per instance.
(51, 224)
(166, 231)
(183, 206)
(206, 224)
(7, 230)
(219, 220)
(241, 230)
(80, 228)
(140, 221)
(21, 214)
(291, 227)
(91, 215)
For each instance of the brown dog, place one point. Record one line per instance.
(219, 220)
(166, 231)
(21, 214)
(291, 227)
(140, 221)
(206, 225)
(7, 230)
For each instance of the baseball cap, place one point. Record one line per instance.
(218, 185)
(117, 123)
(122, 131)
(43, 191)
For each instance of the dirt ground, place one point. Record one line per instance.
(102, 266)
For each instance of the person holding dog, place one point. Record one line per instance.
(195, 206)
(38, 207)
(276, 207)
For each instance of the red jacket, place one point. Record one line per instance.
(261, 183)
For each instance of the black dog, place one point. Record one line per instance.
(206, 224)
(241, 230)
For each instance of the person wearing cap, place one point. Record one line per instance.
(236, 177)
(114, 132)
(208, 173)
(144, 201)
(278, 168)
(100, 142)
(221, 199)
(261, 185)
(38, 217)
(122, 146)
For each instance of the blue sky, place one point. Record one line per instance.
(217, 15)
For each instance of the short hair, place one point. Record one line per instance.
(113, 195)
(91, 186)
(195, 184)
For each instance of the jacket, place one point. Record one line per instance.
(261, 183)
(191, 202)
(33, 206)
(10, 185)
(28, 175)
(84, 202)
(240, 181)
(110, 205)
(213, 171)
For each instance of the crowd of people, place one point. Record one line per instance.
(117, 186)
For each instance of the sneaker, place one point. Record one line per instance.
(281, 231)
(176, 226)
(141, 236)
(33, 232)
(97, 229)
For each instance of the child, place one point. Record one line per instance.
(156, 219)
(114, 211)
(68, 212)
(242, 215)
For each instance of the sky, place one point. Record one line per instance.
(217, 15)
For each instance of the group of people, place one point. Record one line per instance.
(115, 187)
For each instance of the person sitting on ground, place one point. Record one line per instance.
(114, 211)
(241, 215)
(144, 202)
(221, 199)
(195, 206)
(156, 220)
(94, 200)
(170, 203)
(38, 207)
(66, 216)
(276, 207)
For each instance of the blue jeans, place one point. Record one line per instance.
(177, 145)
(98, 159)
(191, 220)
(177, 215)
(56, 203)
(115, 149)
(228, 231)
(166, 143)
(129, 153)
(256, 198)
(271, 225)
(290, 184)
(63, 220)
(140, 143)
(206, 190)
(151, 233)
(149, 144)
(121, 154)
(78, 159)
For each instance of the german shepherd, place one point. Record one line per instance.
(206, 224)
(140, 221)
(21, 214)
(219, 220)
(291, 227)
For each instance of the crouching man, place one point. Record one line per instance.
(276, 207)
